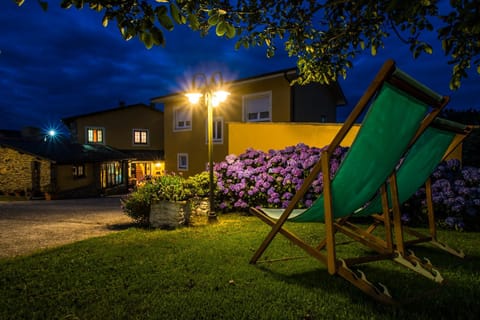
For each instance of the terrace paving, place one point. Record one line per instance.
(27, 226)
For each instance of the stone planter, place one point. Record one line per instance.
(168, 214)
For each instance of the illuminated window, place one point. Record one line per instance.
(183, 118)
(78, 171)
(257, 107)
(95, 135)
(217, 131)
(182, 161)
(140, 136)
(111, 174)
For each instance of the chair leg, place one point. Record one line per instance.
(397, 218)
(432, 237)
(329, 220)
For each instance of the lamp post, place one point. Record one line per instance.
(211, 90)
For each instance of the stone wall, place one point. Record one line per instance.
(16, 171)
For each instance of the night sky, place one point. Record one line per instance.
(61, 63)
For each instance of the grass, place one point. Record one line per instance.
(203, 273)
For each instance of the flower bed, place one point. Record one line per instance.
(456, 197)
(270, 179)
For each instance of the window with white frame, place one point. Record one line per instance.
(182, 118)
(140, 136)
(217, 130)
(257, 107)
(182, 161)
(95, 135)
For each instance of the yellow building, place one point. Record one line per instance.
(136, 130)
(264, 98)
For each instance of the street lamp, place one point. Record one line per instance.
(211, 90)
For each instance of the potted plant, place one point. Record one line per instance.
(169, 204)
(168, 201)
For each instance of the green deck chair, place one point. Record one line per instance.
(433, 146)
(399, 109)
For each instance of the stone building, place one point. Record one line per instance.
(34, 167)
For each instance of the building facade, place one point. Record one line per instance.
(264, 98)
(136, 130)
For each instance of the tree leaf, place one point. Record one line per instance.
(65, 4)
(230, 31)
(213, 20)
(147, 40)
(43, 4)
(79, 4)
(157, 37)
(373, 50)
(193, 22)
(163, 18)
(427, 48)
(221, 28)
(105, 21)
(175, 12)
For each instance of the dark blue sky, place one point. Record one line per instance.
(61, 63)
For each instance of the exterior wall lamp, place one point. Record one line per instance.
(211, 90)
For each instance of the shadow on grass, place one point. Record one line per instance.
(418, 297)
(123, 226)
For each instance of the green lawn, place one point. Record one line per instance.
(203, 273)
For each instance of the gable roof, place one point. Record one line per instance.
(116, 109)
(289, 74)
(62, 151)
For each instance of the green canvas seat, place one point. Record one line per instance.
(397, 111)
(421, 160)
(433, 146)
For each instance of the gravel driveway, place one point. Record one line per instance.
(26, 226)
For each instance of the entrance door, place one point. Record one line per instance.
(35, 178)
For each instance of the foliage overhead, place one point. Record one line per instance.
(324, 36)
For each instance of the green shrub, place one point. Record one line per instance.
(170, 187)
(198, 185)
(136, 204)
